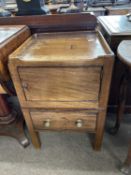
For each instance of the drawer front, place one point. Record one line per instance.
(61, 83)
(64, 120)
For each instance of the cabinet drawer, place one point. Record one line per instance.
(63, 84)
(64, 120)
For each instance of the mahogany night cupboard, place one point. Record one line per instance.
(62, 81)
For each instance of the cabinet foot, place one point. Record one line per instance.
(36, 140)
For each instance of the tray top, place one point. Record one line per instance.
(8, 31)
(61, 46)
(116, 25)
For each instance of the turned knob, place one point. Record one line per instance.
(25, 85)
(47, 123)
(79, 123)
(26, 0)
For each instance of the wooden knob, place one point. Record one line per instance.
(27, 0)
(79, 123)
(47, 123)
(25, 85)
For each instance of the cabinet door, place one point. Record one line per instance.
(61, 83)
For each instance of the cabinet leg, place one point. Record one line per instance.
(34, 135)
(126, 168)
(36, 140)
(97, 142)
(99, 131)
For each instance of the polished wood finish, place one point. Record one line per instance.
(11, 38)
(64, 119)
(62, 82)
(34, 134)
(51, 23)
(87, 82)
(123, 27)
(10, 123)
(119, 10)
(115, 29)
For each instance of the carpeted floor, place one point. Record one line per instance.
(65, 154)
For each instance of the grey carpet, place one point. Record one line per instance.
(65, 154)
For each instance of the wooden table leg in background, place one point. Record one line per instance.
(121, 102)
(127, 164)
(11, 124)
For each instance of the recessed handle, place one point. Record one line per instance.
(79, 123)
(47, 123)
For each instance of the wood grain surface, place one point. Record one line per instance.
(61, 84)
(64, 46)
(62, 81)
(64, 120)
(11, 37)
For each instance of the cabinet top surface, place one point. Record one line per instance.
(118, 7)
(116, 25)
(62, 46)
(8, 31)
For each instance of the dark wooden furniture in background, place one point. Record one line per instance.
(10, 124)
(54, 7)
(118, 10)
(124, 54)
(115, 29)
(98, 11)
(62, 82)
(126, 168)
(49, 23)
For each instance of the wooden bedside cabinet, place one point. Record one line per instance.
(62, 81)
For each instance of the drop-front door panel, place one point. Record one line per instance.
(61, 83)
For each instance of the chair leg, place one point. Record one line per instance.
(127, 164)
(121, 104)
